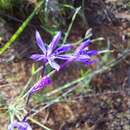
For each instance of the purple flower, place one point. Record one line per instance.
(19, 125)
(50, 53)
(83, 54)
(40, 84)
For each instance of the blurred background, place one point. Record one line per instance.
(101, 100)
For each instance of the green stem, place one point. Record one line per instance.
(38, 123)
(70, 26)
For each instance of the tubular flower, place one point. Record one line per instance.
(83, 54)
(19, 125)
(40, 84)
(50, 53)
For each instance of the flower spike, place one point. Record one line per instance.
(40, 84)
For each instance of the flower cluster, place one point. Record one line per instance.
(51, 53)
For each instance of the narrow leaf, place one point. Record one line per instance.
(20, 29)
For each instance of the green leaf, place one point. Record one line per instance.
(70, 26)
(20, 29)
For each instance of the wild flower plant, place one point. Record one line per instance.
(51, 53)
(49, 56)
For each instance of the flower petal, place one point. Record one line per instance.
(54, 65)
(92, 52)
(63, 48)
(83, 57)
(40, 42)
(38, 57)
(53, 43)
(90, 62)
(82, 46)
(65, 57)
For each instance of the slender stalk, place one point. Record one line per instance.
(70, 26)
(38, 123)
